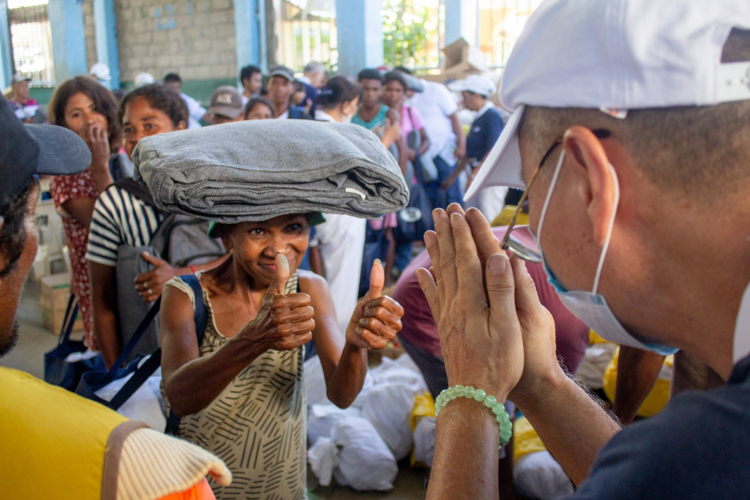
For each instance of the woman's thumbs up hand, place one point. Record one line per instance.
(376, 319)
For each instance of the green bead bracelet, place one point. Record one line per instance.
(498, 408)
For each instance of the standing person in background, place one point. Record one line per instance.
(386, 124)
(259, 108)
(314, 77)
(341, 240)
(122, 218)
(394, 96)
(439, 110)
(196, 112)
(23, 105)
(376, 116)
(226, 106)
(87, 108)
(251, 79)
(280, 87)
(484, 132)
(301, 98)
(143, 79)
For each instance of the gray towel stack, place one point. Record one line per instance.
(257, 170)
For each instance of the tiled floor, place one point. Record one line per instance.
(34, 341)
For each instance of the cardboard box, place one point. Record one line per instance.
(461, 59)
(53, 301)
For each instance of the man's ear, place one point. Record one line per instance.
(181, 125)
(598, 189)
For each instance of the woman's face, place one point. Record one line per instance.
(141, 120)
(254, 245)
(80, 113)
(260, 112)
(393, 94)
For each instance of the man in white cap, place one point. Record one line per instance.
(630, 135)
(23, 105)
(143, 79)
(484, 132)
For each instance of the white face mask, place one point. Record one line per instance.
(591, 307)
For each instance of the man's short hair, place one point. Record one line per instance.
(313, 67)
(13, 232)
(691, 149)
(370, 74)
(396, 76)
(248, 71)
(172, 77)
(161, 98)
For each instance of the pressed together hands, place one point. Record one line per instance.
(494, 333)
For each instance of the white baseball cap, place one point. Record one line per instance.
(474, 83)
(100, 71)
(616, 55)
(143, 79)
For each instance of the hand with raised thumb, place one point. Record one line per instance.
(284, 322)
(376, 319)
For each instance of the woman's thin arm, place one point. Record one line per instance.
(192, 383)
(104, 304)
(344, 365)
(425, 142)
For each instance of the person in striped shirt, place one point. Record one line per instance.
(121, 218)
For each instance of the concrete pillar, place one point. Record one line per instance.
(6, 56)
(105, 29)
(360, 35)
(462, 21)
(247, 32)
(68, 39)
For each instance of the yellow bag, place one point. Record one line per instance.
(504, 218)
(525, 439)
(424, 406)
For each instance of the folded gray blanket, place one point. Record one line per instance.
(257, 170)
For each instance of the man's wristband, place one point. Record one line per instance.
(498, 408)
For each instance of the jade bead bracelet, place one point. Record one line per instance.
(479, 395)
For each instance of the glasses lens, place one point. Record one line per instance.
(522, 244)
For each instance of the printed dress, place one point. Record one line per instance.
(258, 424)
(70, 187)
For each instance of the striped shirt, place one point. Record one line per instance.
(120, 218)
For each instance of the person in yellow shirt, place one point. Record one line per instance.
(55, 444)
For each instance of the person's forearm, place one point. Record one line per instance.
(196, 384)
(105, 330)
(456, 172)
(458, 130)
(204, 267)
(349, 376)
(467, 443)
(102, 177)
(637, 371)
(571, 424)
(424, 146)
(403, 157)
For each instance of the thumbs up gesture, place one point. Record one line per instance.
(376, 319)
(284, 322)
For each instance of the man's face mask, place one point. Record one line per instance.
(591, 307)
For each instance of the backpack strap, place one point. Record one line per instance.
(201, 319)
(137, 189)
(143, 372)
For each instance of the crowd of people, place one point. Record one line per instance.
(611, 164)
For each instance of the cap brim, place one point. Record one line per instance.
(503, 165)
(281, 73)
(227, 111)
(61, 151)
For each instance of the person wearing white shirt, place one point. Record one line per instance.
(342, 237)
(196, 112)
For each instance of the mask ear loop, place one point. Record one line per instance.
(556, 174)
(609, 232)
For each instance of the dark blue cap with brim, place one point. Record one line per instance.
(26, 150)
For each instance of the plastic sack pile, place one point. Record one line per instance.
(360, 446)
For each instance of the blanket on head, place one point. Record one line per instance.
(260, 169)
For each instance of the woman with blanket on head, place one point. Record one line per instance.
(240, 388)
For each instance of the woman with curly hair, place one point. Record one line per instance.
(90, 110)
